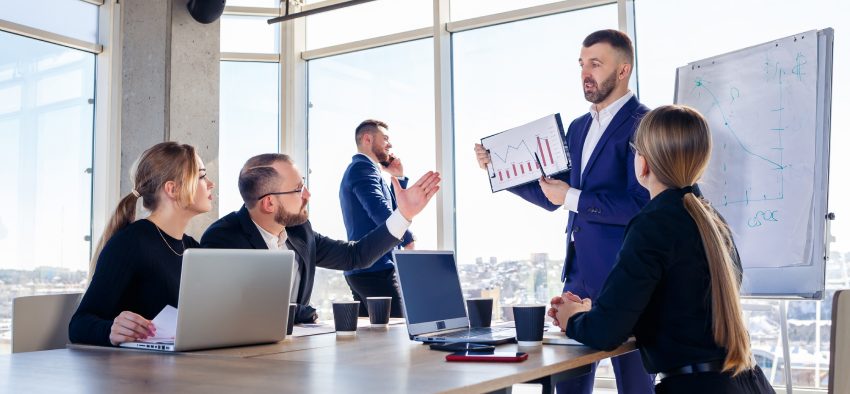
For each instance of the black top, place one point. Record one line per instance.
(659, 289)
(135, 272)
(237, 231)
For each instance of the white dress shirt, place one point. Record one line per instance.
(601, 120)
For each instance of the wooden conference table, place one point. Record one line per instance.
(376, 360)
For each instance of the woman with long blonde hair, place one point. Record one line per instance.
(675, 285)
(136, 266)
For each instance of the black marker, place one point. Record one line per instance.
(537, 159)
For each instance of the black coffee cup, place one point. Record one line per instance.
(290, 321)
(529, 321)
(480, 311)
(379, 310)
(345, 317)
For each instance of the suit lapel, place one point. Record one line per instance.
(621, 116)
(250, 229)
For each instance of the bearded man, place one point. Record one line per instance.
(367, 198)
(600, 192)
(275, 217)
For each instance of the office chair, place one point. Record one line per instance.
(41, 322)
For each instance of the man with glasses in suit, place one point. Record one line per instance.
(275, 217)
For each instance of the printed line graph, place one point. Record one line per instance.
(512, 153)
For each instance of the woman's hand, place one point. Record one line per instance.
(129, 327)
(571, 305)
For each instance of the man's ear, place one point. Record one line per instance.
(625, 71)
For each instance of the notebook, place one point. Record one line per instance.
(433, 303)
(229, 297)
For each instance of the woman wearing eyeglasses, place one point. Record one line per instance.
(136, 266)
(676, 282)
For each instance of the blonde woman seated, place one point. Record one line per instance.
(137, 263)
(675, 285)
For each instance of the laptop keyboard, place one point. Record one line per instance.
(481, 332)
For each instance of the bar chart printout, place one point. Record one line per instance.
(512, 153)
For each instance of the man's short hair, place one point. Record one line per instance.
(367, 126)
(258, 177)
(617, 39)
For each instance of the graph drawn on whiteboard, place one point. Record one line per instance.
(513, 151)
(761, 108)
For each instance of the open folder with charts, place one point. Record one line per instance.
(525, 153)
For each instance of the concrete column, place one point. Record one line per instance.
(170, 87)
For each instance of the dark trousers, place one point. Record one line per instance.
(375, 284)
(749, 382)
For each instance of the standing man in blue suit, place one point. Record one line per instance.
(367, 200)
(601, 192)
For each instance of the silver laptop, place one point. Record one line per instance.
(230, 297)
(433, 302)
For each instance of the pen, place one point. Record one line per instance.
(537, 158)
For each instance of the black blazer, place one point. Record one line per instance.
(659, 290)
(238, 231)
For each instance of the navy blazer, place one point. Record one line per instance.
(610, 195)
(367, 201)
(238, 231)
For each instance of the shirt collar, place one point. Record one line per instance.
(271, 239)
(612, 109)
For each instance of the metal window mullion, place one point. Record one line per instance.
(293, 92)
(369, 43)
(626, 24)
(444, 127)
(252, 11)
(50, 37)
(250, 57)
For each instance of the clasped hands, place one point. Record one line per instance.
(564, 306)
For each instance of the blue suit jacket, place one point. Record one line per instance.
(610, 196)
(367, 201)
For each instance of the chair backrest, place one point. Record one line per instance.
(839, 343)
(41, 322)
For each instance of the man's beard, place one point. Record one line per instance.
(602, 91)
(380, 154)
(287, 219)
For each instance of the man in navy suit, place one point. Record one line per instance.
(600, 192)
(367, 200)
(275, 217)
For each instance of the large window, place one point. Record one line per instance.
(248, 122)
(660, 53)
(393, 84)
(46, 119)
(505, 76)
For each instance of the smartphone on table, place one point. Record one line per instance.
(488, 356)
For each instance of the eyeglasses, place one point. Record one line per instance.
(634, 148)
(300, 189)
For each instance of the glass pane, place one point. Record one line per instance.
(249, 34)
(45, 152)
(465, 9)
(374, 19)
(72, 18)
(660, 53)
(249, 123)
(394, 84)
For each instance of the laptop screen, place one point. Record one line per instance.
(430, 286)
